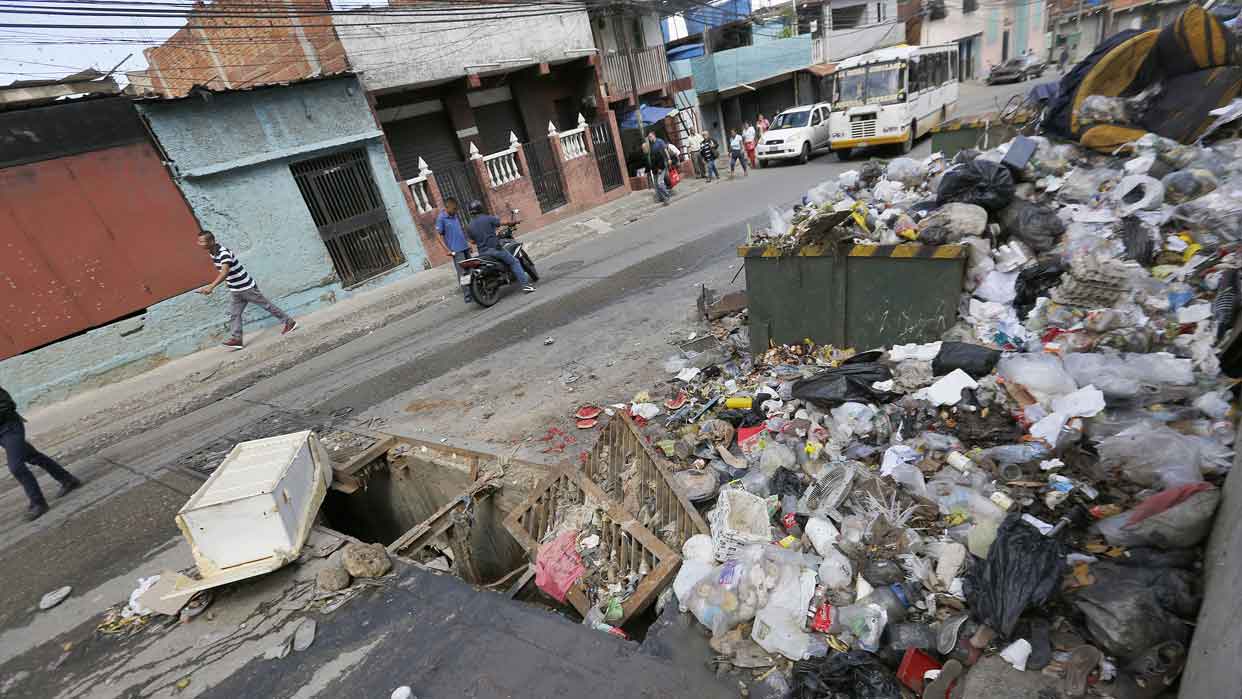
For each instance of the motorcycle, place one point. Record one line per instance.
(487, 276)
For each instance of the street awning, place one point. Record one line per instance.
(650, 114)
(822, 70)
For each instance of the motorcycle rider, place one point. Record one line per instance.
(482, 232)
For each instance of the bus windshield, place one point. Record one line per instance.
(852, 86)
(875, 84)
(883, 83)
(790, 120)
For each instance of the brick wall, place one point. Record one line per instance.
(233, 52)
(584, 190)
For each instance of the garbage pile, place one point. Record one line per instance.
(1032, 491)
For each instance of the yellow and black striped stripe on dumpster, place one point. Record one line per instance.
(902, 251)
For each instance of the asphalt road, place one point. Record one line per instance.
(603, 295)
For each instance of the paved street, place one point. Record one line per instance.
(611, 304)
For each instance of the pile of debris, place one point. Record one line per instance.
(1027, 495)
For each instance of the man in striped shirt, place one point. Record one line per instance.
(241, 284)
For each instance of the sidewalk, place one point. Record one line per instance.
(90, 420)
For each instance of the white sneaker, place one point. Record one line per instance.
(528, 288)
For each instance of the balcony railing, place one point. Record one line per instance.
(650, 69)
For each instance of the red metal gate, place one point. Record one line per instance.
(88, 238)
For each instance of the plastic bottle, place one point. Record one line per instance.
(892, 598)
(739, 402)
(822, 534)
(865, 622)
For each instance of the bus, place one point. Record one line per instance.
(891, 96)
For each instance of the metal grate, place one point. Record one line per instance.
(629, 549)
(606, 155)
(653, 495)
(545, 174)
(350, 214)
(862, 128)
(460, 182)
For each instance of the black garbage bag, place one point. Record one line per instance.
(848, 382)
(976, 360)
(1137, 237)
(853, 675)
(965, 155)
(980, 182)
(1036, 225)
(1035, 281)
(785, 482)
(1131, 609)
(1023, 569)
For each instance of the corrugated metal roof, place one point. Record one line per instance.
(199, 90)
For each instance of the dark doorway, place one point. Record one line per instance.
(1004, 46)
(606, 160)
(545, 174)
(461, 182)
(340, 192)
(566, 113)
(428, 136)
(495, 122)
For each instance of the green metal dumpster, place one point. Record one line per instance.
(981, 131)
(860, 296)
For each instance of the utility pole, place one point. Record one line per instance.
(623, 38)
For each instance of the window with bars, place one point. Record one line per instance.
(346, 205)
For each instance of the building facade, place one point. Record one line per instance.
(294, 179)
(986, 33)
(776, 59)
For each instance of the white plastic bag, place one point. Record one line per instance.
(780, 625)
(1153, 455)
(1042, 375)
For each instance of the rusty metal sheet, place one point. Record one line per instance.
(90, 238)
(67, 128)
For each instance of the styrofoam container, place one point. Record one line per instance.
(259, 504)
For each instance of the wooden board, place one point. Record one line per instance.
(632, 544)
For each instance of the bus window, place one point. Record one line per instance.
(884, 83)
(851, 86)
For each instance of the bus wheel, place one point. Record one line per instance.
(843, 154)
(908, 144)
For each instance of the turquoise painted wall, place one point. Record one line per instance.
(748, 64)
(231, 153)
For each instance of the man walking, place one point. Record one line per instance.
(748, 139)
(657, 151)
(707, 153)
(453, 238)
(243, 287)
(1063, 59)
(694, 145)
(736, 155)
(482, 232)
(20, 452)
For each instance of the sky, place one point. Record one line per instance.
(21, 60)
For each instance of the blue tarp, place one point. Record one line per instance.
(681, 53)
(650, 116)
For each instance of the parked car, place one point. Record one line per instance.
(1016, 70)
(795, 134)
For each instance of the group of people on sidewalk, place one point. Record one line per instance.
(704, 153)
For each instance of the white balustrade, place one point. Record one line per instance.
(573, 143)
(422, 193)
(502, 167)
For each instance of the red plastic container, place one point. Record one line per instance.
(914, 664)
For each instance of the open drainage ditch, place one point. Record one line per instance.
(425, 505)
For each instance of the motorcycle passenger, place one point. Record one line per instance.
(482, 232)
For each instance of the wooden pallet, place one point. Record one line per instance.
(663, 507)
(626, 543)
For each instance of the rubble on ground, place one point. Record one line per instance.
(1020, 504)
